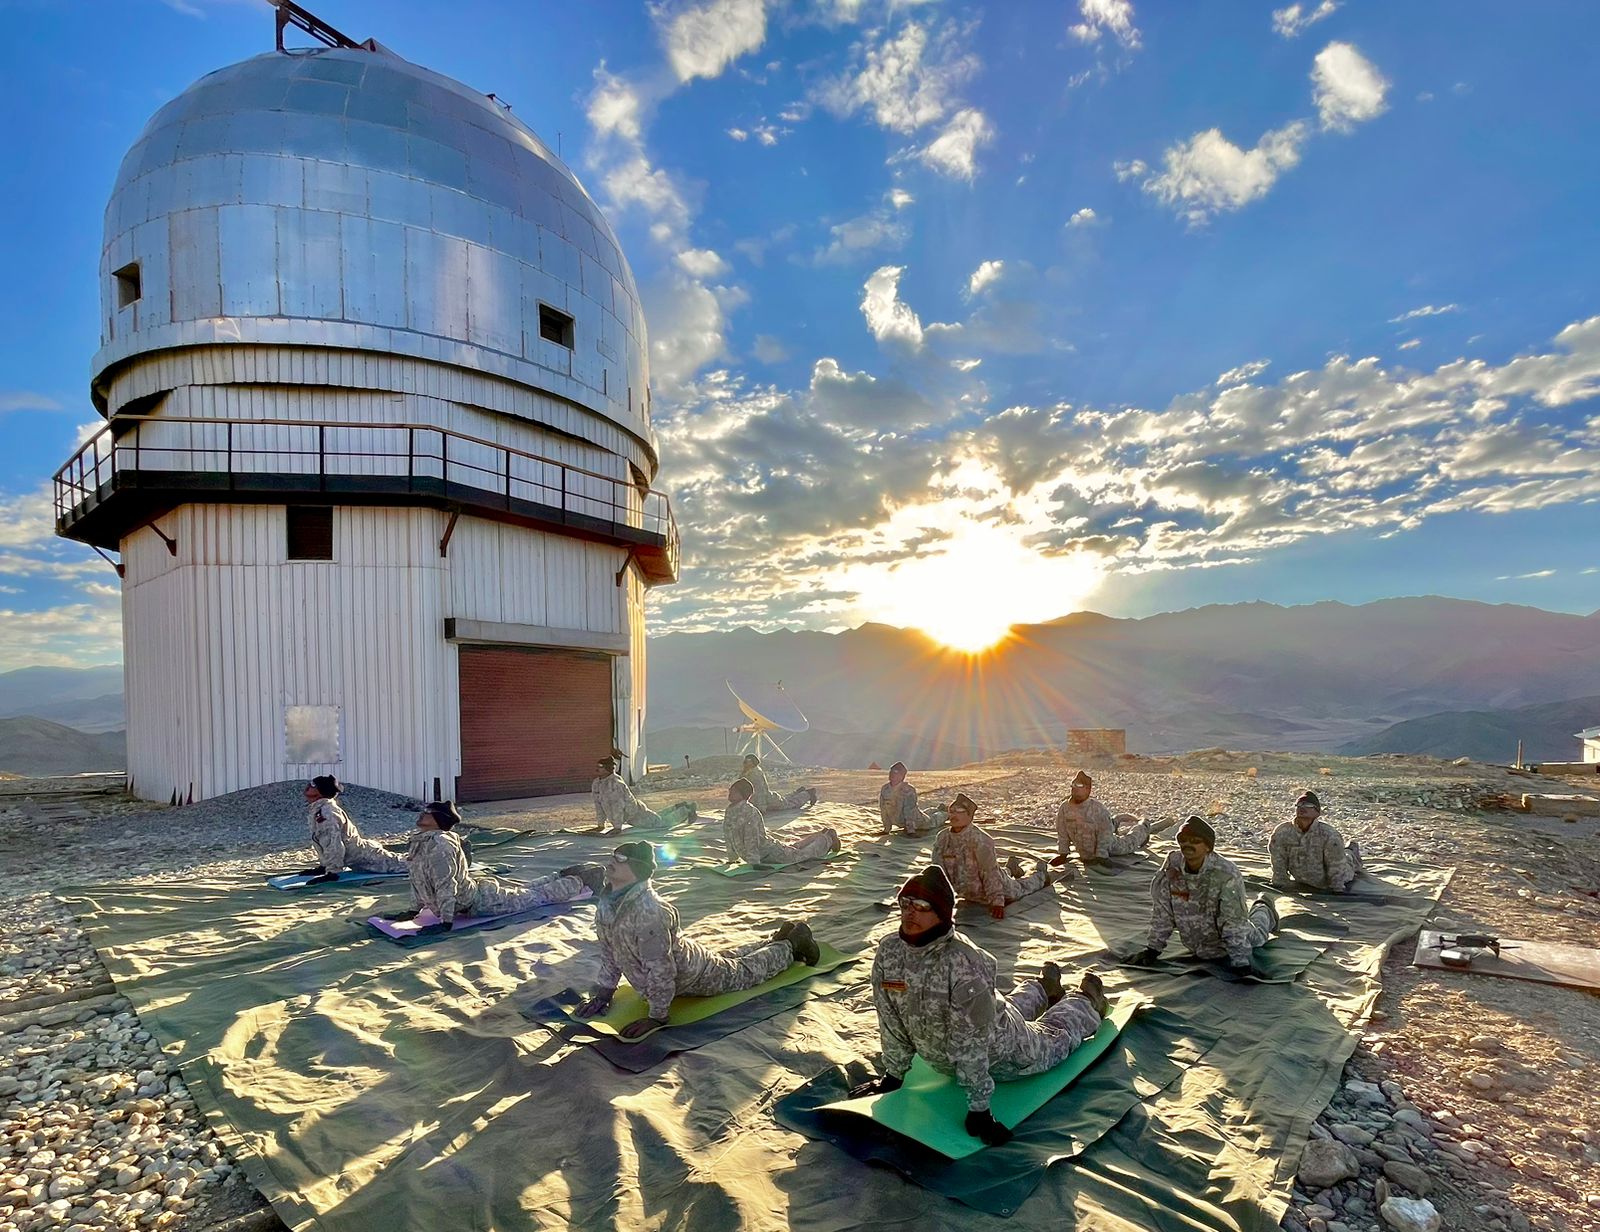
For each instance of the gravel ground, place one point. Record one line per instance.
(1473, 1096)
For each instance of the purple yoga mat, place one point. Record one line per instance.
(400, 930)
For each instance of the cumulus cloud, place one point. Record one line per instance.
(906, 80)
(888, 318)
(702, 263)
(1346, 87)
(1427, 310)
(616, 107)
(1103, 17)
(954, 151)
(875, 231)
(1208, 174)
(900, 198)
(703, 39)
(985, 274)
(1292, 21)
(1085, 217)
(1244, 372)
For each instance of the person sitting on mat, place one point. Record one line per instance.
(936, 998)
(1201, 894)
(638, 934)
(1088, 826)
(616, 806)
(767, 800)
(898, 808)
(744, 830)
(1310, 851)
(966, 852)
(336, 842)
(442, 883)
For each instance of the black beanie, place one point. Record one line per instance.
(932, 884)
(1083, 777)
(327, 786)
(443, 812)
(640, 857)
(1198, 826)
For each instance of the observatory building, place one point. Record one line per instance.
(377, 457)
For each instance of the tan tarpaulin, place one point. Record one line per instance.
(366, 1086)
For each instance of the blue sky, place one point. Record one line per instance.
(1049, 304)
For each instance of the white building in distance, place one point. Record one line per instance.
(378, 456)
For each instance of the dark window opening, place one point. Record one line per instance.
(308, 532)
(555, 326)
(129, 286)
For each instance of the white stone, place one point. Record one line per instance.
(1411, 1215)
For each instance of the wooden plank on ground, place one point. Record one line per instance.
(1573, 768)
(1561, 806)
(1543, 962)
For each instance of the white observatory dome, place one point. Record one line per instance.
(346, 198)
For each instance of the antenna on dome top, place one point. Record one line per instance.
(769, 709)
(291, 14)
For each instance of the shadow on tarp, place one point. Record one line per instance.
(1151, 1053)
(554, 1013)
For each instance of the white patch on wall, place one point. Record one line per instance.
(311, 735)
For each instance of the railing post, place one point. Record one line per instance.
(230, 455)
(138, 429)
(322, 457)
(411, 458)
(508, 480)
(444, 459)
(563, 493)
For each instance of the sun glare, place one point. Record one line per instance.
(982, 582)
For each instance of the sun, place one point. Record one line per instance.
(969, 590)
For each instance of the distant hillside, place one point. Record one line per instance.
(816, 748)
(1248, 675)
(1489, 735)
(43, 690)
(37, 746)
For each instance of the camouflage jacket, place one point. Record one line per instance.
(638, 933)
(1316, 856)
(1087, 826)
(969, 861)
(439, 878)
(898, 808)
(1207, 908)
(937, 1001)
(331, 832)
(613, 800)
(744, 830)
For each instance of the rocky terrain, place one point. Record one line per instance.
(1469, 1103)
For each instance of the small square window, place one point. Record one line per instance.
(311, 735)
(308, 532)
(129, 286)
(555, 326)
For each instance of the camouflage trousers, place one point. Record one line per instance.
(365, 856)
(704, 973)
(1022, 1046)
(647, 819)
(491, 896)
(1021, 887)
(812, 847)
(1131, 835)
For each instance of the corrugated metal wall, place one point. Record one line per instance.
(225, 635)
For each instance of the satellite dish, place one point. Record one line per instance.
(767, 709)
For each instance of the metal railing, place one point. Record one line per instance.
(289, 455)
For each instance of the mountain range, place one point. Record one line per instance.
(1248, 676)
(1426, 675)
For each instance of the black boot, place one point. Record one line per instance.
(804, 945)
(1050, 977)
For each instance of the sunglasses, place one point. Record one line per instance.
(907, 903)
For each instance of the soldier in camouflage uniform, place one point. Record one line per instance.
(744, 830)
(767, 800)
(442, 883)
(1310, 851)
(638, 934)
(935, 994)
(1088, 826)
(966, 853)
(897, 806)
(1201, 894)
(336, 842)
(616, 806)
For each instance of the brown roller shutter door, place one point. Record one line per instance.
(532, 721)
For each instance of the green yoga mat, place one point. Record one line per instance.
(1280, 961)
(747, 870)
(931, 1107)
(628, 1005)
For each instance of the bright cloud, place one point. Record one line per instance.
(889, 319)
(1208, 174)
(1083, 218)
(703, 39)
(985, 274)
(1292, 21)
(876, 231)
(954, 151)
(1244, 372)
(906, 81)
(1346, 88)
(1427, 310)
(1101, 17)
(702, 263)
